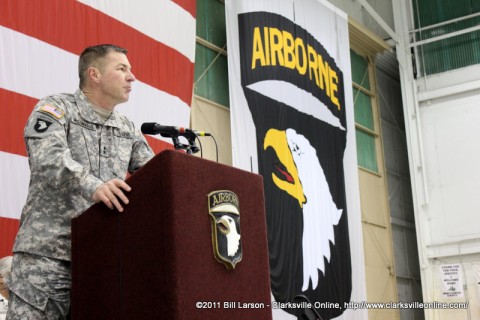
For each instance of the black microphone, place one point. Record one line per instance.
(155, 128)
(170, 131)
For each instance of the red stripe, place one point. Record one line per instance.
(187, 5)
(15, 109)
(72, 26)
(8, 231)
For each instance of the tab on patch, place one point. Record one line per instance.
(54, 111)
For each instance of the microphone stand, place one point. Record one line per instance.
(190, 148)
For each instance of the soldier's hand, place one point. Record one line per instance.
(112, 194)
(3, 289)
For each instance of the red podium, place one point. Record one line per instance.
(156, 259)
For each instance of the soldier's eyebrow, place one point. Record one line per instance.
(124, 66)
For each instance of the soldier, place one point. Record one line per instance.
(80, 150)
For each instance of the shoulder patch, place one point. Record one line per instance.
(52, 110)
(41, 125)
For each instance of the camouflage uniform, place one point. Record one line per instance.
(41, 288)
(72, 151)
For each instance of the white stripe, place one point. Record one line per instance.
(36, 69)
(297, 98)
(162, 20)
(15, 176)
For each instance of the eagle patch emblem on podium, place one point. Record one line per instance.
(223, 207)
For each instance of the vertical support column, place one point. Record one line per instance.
(413, 130)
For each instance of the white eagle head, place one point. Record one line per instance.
(227, 226)
(308, 184)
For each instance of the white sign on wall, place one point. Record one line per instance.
(452, 280)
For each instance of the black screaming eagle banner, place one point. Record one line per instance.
(291, 90)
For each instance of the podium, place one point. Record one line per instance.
(156, 259)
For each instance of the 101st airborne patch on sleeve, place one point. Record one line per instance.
(52, 110)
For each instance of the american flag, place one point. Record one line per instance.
(39, 46)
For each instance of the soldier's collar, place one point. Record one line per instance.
(87, 112)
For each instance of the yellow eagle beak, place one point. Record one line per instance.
(287, 180)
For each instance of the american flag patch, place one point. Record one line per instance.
(57, 113)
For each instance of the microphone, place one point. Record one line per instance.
(170, 131)
(155, 128)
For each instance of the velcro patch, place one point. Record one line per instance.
(52, 110)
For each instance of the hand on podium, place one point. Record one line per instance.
(110, 192)
(5, 267)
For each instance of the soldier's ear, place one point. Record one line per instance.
(93, 74)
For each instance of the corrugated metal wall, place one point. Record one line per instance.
(451, 53)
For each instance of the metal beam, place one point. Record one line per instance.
(445, 36)
(379, 19)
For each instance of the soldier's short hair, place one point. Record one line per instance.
(92, 54)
